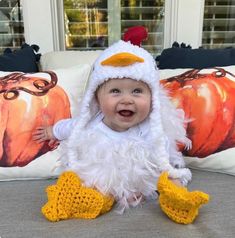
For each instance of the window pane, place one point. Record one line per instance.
(87, 25)
(219, 24)
(11, 24)
(146, 13)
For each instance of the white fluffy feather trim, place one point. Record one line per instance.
(122, 169)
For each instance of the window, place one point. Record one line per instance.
(96, 24)
(11, 24)
(146, 13)
(85, 24)
(219, 24)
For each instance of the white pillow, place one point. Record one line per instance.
(222, 161)
(64, 59)
(73, 81)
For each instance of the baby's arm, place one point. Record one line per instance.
(60, 131)
(63, 128)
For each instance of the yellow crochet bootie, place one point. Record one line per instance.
(69, 199)
(177, 202)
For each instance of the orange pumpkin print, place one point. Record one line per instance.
(209, 102)
(27, 102)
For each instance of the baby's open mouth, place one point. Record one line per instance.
(126, 113)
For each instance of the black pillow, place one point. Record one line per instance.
(177, 57)
(24, 59)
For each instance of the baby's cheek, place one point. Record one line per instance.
(145, 108)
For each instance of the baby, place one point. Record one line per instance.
(127, 132)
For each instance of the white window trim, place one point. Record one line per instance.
(58, 24)
(113, 19)
(183, 22)
(41, 24)
(43, 18)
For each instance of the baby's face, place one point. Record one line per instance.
(124, 102)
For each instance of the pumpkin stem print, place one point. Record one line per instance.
(27, 102)
(208, 100)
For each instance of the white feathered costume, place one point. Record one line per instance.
(127, 164)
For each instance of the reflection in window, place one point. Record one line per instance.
(87, 25)
(146, 13)
(11, 24)
(219, 24)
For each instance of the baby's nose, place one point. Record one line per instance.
(127, 99)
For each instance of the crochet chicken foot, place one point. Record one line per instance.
(177, 202)
(68, 198)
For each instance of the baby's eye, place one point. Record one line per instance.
(114, 90)
(137, 90)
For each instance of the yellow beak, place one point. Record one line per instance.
(122, 59)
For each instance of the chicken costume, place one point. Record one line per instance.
(119, 166)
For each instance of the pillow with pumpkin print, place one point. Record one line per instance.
(208, 99)
(26, 102)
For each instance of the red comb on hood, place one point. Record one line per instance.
(135, 35)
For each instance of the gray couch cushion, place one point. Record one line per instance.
(21, 201)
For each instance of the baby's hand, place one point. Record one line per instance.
(43, 133)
